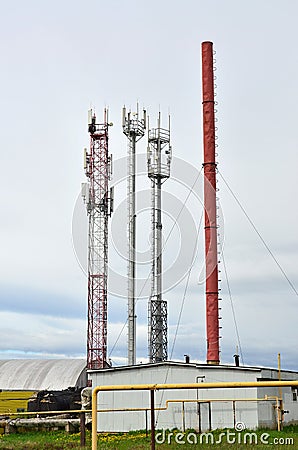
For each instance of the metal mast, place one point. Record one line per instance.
(99, 203)
(159, 160)
(210, 167)
(134, 129)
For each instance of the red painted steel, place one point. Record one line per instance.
(212, 320)
(98, 245)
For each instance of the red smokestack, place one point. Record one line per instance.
(209, 165)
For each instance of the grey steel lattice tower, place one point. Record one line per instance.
(134, 129)
(159, 160)
(99, 202)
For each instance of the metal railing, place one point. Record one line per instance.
(155, 387)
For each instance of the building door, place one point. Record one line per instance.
(204, 416)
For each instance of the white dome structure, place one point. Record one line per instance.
(45, 374)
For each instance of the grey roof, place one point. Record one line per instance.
(179, 364)
(36, 374)
(192, 365)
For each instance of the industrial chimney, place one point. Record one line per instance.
(212, 320)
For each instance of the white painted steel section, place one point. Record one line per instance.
(134, 129)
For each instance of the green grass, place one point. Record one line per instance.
(59, 440)
(50, 440)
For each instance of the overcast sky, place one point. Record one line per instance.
(58, 58)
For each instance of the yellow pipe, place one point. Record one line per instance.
(219, 385)
(279, 375)
(186, 400)
(279, 410)
(142, 387)
(205, 400)
(277, 406)
(161, 408)
(94, 418)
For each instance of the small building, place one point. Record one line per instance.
(22, 379)
(200, 409)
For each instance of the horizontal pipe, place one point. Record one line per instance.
(218, 385)
(68, 411)
(161, 408)
(184, 400)
(143, 387)
(37, 421)
(79, 411)
(210, 400)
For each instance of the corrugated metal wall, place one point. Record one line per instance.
(221, 413)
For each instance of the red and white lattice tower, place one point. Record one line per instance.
(99, 202)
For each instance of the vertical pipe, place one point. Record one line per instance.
(94, 420)
(82, 430)
(279, 376)
(132, 252)
(152, 419)
(159, 319)
(280, 416)
(159, 249)
(158, 232)
(134, 129)
(209, 165)
(153, 272)
(278, 410)
(158, 172)
(146, 422)
(183, 417)
(210, 416)
(234, 414)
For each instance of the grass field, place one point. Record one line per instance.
(222, 439)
